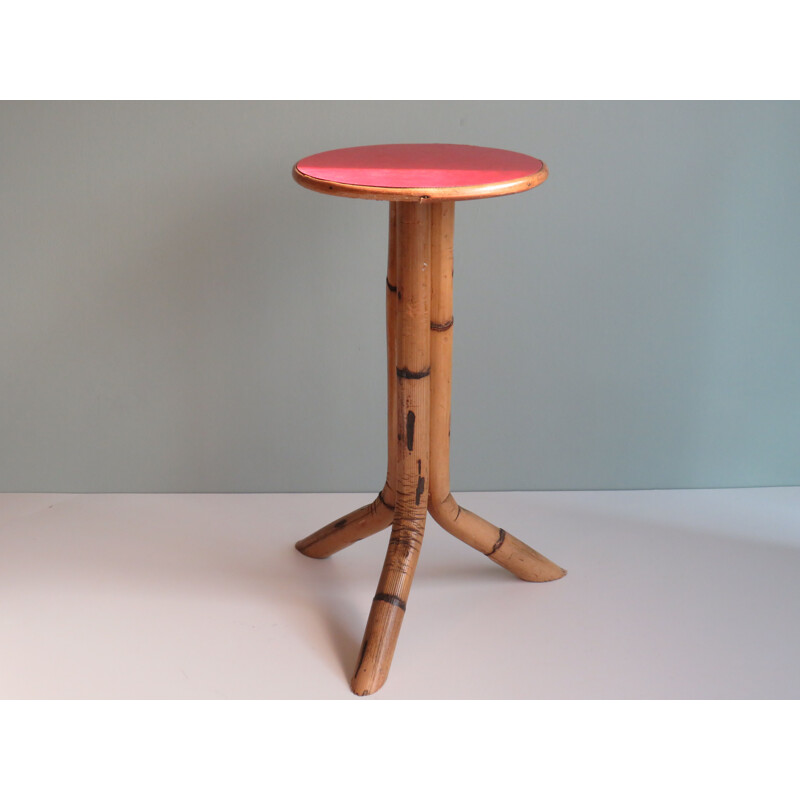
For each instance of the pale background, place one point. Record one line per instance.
(177, 315)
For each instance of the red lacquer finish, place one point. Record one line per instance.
(406, 171)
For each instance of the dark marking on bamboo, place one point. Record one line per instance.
(420, 488)
(410, 419)
(381, 498)
(498, 543)
(419, 466)
(341, 523)
(361, 656)
(404, 541)
(442, 326)
(391, 598)
(390, 287)
(402, 372)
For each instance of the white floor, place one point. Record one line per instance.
(670, 594)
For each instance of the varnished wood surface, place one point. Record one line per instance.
(496, 543)
(419, 335)
(413, 370)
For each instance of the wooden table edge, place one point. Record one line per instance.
(421, 194)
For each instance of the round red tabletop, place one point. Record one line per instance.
(420, 172)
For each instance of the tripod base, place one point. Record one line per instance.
(386, 614)
(419, 334)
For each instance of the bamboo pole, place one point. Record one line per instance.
(499, 545)
(442, 219)
(413, 370)
(391, 355)
(419, 339)
(376, 516)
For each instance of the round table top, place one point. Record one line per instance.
(420, 172)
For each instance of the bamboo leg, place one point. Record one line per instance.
(376, 516)
(500, 546)
(413, 369)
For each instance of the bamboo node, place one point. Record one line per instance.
(442, 326)
(391, 598)
(402, 372)
(498, 543)
(383, 500)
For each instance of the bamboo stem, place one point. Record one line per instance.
(442, 222)
(419, 346)
(413, 370)
(499, 545)
(391, 353)
(376, 516)
(351, 528)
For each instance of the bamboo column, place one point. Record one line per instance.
(499, 545)
(413, 376)
(376, 516)
(419, 345)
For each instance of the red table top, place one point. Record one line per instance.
(420, 172)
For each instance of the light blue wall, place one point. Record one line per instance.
(177, 315)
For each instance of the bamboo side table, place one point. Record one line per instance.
(421, 183)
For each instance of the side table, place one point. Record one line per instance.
(421, 182)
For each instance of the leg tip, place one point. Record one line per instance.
(364, 684)
(541, 573)
(305, 549)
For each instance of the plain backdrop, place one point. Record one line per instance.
(176, 314)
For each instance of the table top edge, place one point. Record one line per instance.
(421, 194)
